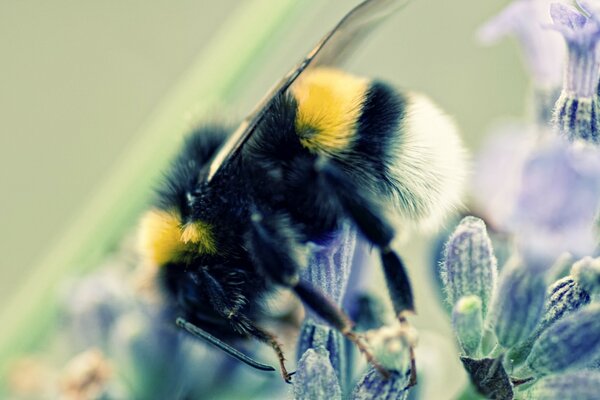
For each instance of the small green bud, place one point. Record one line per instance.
(467, 322)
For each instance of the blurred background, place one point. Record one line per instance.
(80, 79)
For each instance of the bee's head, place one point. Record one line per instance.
(166, 237)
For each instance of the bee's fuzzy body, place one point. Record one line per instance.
(217, 242)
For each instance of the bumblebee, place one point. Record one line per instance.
(237, 208)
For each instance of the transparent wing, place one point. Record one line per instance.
(332, 50)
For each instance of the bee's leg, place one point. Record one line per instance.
(271, 243)
(328, 192)
(372, 223)
(270, 339)
(368, 217)
(330, 312)
(239, 321)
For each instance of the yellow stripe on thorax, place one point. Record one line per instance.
(329, 105)
(163, 238)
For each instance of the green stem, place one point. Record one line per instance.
(213, 79)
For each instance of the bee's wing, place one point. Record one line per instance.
(330, 51)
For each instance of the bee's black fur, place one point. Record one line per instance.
(268, 201)
(282, 175)
(382, 112)
(183, 175)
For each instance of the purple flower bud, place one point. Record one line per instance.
(576, 111)
(469, 266)
(372, 386)
(577, 117)
(323, 338)
(563, 297)
(330, 262)
(518, 305)
(586, 272)
(467, 322)
(497, 171)
(328, 270)
(558, 197)
(577, 385)
(315, 378)
(571, 342)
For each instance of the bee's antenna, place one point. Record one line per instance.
(207, 337)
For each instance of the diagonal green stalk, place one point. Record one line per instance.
(213, 79)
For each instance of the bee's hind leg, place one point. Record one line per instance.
(369, 218)
(271, 241)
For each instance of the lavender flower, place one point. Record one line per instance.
(576, 111)
(330, 263)
(316, 378)
(525, 20)
(572, 342)
(373, 387)
(563, 297)
(577, 385)
(324, 366)
(518, 305)
(328, 270)
(469, 266)
(542, 51)
(556, 202)
(497, 173)
(326, 340)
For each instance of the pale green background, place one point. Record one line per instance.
(79, 78)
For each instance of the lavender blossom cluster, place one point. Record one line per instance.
(532, 330)
(523, 332)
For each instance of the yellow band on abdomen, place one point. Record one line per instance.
(329, 106)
